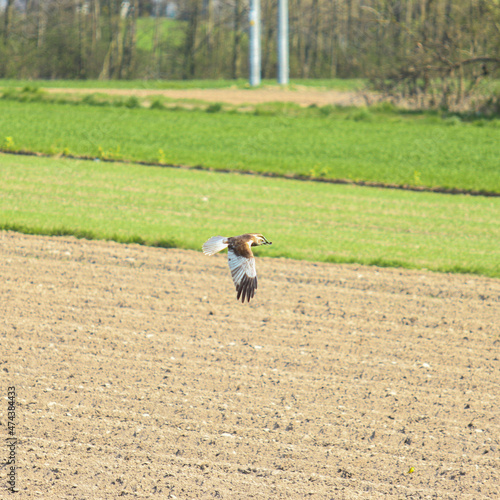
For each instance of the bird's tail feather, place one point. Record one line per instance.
(214, 244)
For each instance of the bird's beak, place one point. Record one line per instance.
(267, 242)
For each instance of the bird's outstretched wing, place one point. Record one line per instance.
(243, 273)
(214, 244)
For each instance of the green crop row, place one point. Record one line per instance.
(356, 144)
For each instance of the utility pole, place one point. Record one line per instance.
(254, 42)
(283, 66)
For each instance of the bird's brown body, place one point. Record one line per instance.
(242, 244)
(240, 258)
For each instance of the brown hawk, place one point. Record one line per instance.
(240, 258)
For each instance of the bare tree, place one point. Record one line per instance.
(7, 20)
(190, 43)
(236, 59)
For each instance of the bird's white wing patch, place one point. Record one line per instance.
(244, 274)
(214, 244)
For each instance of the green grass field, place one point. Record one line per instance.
(305, 220)
(416, 150)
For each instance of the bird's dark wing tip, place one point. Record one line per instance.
(246, 289)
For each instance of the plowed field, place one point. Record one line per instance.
(138, 374)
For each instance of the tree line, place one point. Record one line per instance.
(405, 45)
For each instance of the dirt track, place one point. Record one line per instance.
(303, 97)
(138, 374)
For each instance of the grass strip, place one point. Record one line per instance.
(310, 221)
(241, 83)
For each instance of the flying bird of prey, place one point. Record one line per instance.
(240, 258)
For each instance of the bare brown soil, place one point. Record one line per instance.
(303, 97)
(138, 374)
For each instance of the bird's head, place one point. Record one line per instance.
(259, 239)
